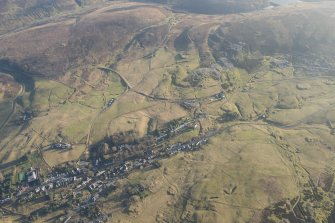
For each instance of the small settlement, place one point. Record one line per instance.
(25, 117)
(96, 178)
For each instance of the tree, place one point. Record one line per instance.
(1, 177)
(104, 148)
(229, 116)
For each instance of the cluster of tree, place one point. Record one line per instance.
(121, 146)
(138, 189)
(91, 212)
(129, 137)
(4, 185)
(197, 76)
(229, 116)
(2, 178)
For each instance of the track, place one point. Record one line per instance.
(12, 212)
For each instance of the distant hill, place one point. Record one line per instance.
(312, 33)
(18, 13)
(53, 49)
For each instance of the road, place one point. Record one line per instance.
(5, 210)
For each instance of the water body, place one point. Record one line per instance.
(20, 75)
(284, 2)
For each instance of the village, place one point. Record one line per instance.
(88, 180)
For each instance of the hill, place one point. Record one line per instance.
(18, 13)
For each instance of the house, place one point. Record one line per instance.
(26, 116)
(181, 56)
(4, 201)
(86, 181)
(32, 175)
(61, 146)
(100, 173)
(269, 8)
(110, 102)
(189, 104)
(220, 96)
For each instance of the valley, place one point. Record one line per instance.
(127, 111)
